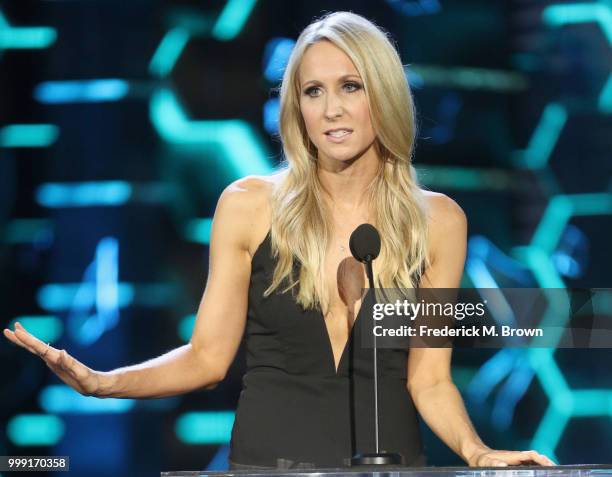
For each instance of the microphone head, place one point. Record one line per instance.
(365, 243)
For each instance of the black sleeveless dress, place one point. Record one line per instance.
(294, 406)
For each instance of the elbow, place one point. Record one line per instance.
(213, 380)
(217, 376)
(213, 371)
(413, 389)
(416, 388)
(214, 374)
(210, 385)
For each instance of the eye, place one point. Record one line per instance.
(308, 92)
(352, 86)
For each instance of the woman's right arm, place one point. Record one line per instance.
(219, 327)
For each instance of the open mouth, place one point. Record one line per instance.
(338, 135)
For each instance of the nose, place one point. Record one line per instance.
(333, 106)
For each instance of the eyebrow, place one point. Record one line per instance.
(342, 78)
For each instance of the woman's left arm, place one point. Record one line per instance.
(429, 381)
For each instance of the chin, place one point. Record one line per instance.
(350, 157)
(344, 157)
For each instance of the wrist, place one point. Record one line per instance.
(471, 451)
(107, 384)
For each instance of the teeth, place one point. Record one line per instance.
(339, 133)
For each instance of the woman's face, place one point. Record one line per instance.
(334, 104)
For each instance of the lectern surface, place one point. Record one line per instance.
(515, 471)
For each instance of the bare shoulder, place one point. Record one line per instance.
(443, 212)
(446, 241)
(246, 202)
(447, 227)
(251, 194)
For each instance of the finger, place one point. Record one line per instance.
(510, 457)
(524, 458)
(539, 458)
(32, 342)
(52, 356)
(491, 461)
(21, 332)
(11, 336)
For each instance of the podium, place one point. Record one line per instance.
(604, 470)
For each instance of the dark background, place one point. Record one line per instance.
(121, 123)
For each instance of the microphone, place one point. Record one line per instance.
(365, 247)
(365, 243)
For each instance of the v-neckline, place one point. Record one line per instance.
(334, 370)
(347, 343)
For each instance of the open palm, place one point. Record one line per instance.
(74, 373)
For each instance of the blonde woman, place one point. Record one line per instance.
(282, 275)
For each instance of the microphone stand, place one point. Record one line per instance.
(376, 458)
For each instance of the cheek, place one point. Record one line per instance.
(366, 121)
(361, 114)
(309, 115)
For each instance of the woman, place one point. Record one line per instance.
(279, 254)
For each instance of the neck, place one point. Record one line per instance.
(345, 183)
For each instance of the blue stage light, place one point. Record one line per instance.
(544, 137)
(28, 135)
(46, 328)
(59, 297)
(232, 18)
(84, 194)
(168, 52)
(25, 37)
(87, 322)
(185, 327)
(220, 460)
(92, 91)
(244, 151)
(271, 115)
(212, 427)
(35, 430)
(62, 399)
(276, 56)
(198, 230)
(413, 8)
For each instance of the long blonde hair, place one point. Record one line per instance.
(301, 226)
